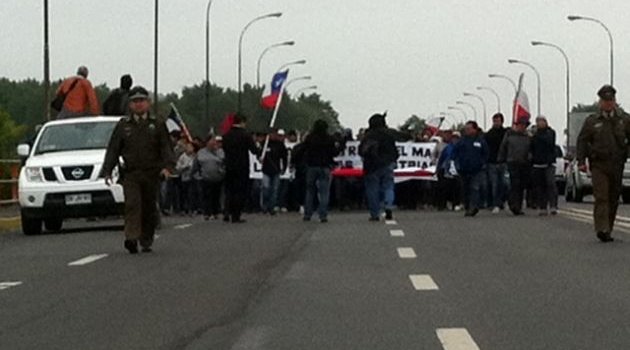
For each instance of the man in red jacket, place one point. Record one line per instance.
(80, 96)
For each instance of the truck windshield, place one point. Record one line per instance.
(75, 137)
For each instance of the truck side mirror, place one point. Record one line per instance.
(24, 150)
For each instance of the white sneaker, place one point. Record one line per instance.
(302, 210)
(458, 208)
(496, 210)
(284, 210)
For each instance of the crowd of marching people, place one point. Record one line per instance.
(500, 169)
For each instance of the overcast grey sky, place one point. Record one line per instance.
(407, 56)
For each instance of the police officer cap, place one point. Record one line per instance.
(138, 93)
(607, 93)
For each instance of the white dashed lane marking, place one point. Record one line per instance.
(88, 260)
(7, 285)
(397, 233)
(183, 227)
(423, 282)
(391, 222)
(456, 339)
(407, 253)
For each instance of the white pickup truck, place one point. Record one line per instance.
(61, 175)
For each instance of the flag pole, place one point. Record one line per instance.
(181, 120)
(273, 121)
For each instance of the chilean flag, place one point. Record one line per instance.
(521, 103)
(270, 99)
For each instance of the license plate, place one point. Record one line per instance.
(78, 199)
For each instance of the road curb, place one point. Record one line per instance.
(10, 224)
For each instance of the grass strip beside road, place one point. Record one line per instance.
(10, 224)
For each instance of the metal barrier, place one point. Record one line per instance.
(14, 171)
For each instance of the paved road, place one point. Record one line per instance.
(428, 281)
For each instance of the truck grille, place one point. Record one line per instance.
(77, 173)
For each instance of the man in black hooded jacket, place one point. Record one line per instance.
(118, 100)
(379, 153)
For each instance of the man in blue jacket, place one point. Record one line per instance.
(471, 157)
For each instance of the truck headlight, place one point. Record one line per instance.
(34, 174)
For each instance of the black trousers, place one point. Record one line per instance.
(236, 191)
(211, 192)
(519, 181)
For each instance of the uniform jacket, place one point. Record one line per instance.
(81, 99)
(604, 139)
(515, 148)
(471, 155)
(543, 147)
(144, 145)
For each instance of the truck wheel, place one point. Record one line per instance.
(53, 225)
(31, 227)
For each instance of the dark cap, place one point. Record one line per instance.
(607, 93)
(377, 121)
(138, 93)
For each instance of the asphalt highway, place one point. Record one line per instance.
(429, 280)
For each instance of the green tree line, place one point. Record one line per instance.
(23, 101)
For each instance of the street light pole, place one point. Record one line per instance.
(464, 103)
(269, 48)
(610, 39)
(287, 65)
(207, 104)
(240, 53)
(455, 108)
(513, 61)
(483, 104)
(312, 87)
(155, 61)
(568, 79)
(46, 64)
(494, 92)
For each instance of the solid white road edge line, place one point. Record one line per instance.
(423, 282)
(397, 233)
(456, 339)
(88, 260)
(406, 253)
(7, 285)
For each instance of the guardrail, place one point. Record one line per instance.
(13, 170)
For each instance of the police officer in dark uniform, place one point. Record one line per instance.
(143, 142)
(604, 142)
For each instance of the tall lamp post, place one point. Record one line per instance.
(506, 78)
(297, 93)
(568, 79)
(262, 55)
(155, 60)
(483, 104)
(207, 104)
(455, 108)
(46, 64)
(240, 53)
(514, 61)
(494, 92)
(610, 39)
(464, 103)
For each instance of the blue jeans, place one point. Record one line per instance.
(498, 184)
(317, 181)
(379, 188)
(472, 189)
(270, 185)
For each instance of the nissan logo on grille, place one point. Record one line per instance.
(78, 173)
